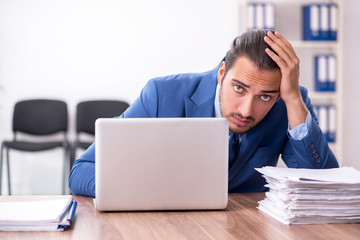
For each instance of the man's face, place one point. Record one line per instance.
(247, 94)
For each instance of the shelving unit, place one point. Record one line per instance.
(288, 21)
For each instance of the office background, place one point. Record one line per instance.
(76, 50)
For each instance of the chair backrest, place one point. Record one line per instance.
(40, 117)
(88, 111)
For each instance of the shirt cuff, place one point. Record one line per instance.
(301, 130)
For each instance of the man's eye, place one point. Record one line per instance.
(238, 88)
(265, 98)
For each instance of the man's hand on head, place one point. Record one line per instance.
(288, 62)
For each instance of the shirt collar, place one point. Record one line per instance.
(217, 102)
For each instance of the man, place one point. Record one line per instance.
(256, 87)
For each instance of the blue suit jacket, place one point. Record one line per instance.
(192, 95)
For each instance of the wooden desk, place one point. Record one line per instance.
(240, 220)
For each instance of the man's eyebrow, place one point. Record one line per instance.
(241, 83)
(247, 86)
(270, 91)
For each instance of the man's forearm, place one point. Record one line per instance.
(296, 111)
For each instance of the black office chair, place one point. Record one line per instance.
(86, 114)
(38, 118)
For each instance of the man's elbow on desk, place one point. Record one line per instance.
(82, 179)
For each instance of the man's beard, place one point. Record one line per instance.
(238, 115)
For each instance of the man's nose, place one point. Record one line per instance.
(247, 107)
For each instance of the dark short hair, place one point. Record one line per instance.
(251, 44)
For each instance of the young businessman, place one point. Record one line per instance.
(256, 87)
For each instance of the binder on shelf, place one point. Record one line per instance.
(331, 134)
(320, 22)
(320, 72)
(261, 15)
(333, 22)
(326, 115)
(332, 72)
(269, 16)
(311, 22)
(324, 22)
(325, 72)
(322, 118)
(251, 15)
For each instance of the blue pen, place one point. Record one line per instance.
(70, 216)
(72, 210)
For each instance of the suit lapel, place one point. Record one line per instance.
(201, 103)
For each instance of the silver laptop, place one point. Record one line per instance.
(161, 164)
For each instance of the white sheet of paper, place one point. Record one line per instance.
(33, 211)
(338, 175)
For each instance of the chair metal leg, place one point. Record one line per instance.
(66, 168)
(72, 154)
(64, 171)
(74, 147)
(1, 164)
(8, 169)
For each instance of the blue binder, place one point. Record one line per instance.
(332, 70)
(251, 11)
(324, 22)
(321, 76)
(322, 117)
(326, 116)
(331, 114)
(333, 26)
(269, 16)
(325, 72)
(320, 22)
(261, 16)
(311, 22)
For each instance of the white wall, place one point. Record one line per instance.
(90, 49)
(94, 49)
(351, 118)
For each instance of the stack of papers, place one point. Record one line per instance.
(312, 196)
(45, 215)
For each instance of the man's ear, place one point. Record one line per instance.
(221, 72)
